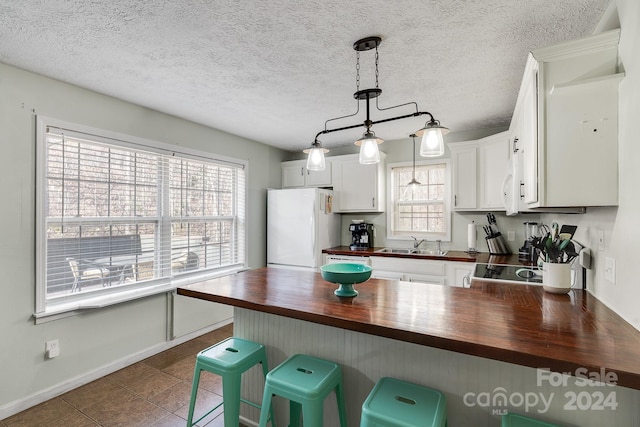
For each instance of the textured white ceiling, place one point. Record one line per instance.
(274, 71)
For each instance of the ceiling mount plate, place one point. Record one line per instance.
(367, 93)
(367, 43)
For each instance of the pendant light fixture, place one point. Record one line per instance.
(432, 144)
(414, 183)
(315, 159)
(369, 152)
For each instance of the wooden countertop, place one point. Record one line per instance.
(460, 256)
(518, 324)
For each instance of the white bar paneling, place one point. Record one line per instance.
(366, 358)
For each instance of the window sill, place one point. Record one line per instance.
(56, 311)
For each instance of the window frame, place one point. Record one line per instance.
(50, 309)
(448, 211)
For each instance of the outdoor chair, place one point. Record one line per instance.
(84, 271)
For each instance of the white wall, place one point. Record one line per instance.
(99, 338)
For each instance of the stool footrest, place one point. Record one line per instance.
(205, 415)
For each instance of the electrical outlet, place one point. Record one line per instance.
(52, 349)
(511, 236)
(600, 239)
(610, 269)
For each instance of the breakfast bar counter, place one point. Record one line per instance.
(519, 324)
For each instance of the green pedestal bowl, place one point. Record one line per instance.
(345, 275)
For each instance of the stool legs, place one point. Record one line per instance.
(267, 407)
(231, 396)
(342, 412)
(194, 392)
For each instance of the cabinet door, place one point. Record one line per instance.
(293, 175)
(388, 275)
(319, 178)
(464, 178)
(357, 187)
(459, 274)
(493, 156)
(528, 140)
(425, 278)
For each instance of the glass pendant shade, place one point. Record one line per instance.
(432, 144)
(369, 152)
(315, 157)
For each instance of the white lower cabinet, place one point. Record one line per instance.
(438, 272)
(409, 270)
(459, 273)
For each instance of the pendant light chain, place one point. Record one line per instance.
(357, 71)
(377, 66)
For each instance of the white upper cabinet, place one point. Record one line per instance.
(479, 171)
(493, 157)
(356, 187)
(565, 124)
(464, 157)
(296, 174)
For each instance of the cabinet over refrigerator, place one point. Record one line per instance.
(300, 224)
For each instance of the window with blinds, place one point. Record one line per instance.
(117, 215)
(419, 210)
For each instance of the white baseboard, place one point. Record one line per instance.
(27, 402)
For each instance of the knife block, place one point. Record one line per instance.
(497, 245)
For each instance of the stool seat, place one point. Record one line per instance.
(305, 381)
(229, 359)
(515, 420)
(395, 403)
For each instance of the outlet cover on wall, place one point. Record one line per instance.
(52, 349)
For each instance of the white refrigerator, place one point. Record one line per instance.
(300, 224)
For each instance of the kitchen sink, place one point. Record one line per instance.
(433, 252)
(396, 251)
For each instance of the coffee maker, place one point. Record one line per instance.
(361, 236)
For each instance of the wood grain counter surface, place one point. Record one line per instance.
(519, 324)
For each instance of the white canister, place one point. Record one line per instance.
(556, 277)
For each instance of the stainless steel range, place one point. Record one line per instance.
(508, 273)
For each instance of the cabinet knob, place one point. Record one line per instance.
(521, 190)
(302, 171)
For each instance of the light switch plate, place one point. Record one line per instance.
(610, 270)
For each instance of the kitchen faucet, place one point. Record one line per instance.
(417, 243)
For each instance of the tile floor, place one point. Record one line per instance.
(153, 392)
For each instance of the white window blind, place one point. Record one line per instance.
(419, 210)
(117, 215)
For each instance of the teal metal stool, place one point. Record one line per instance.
(306, 381)
(515, 420)
(228, 359)
(395, 403)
